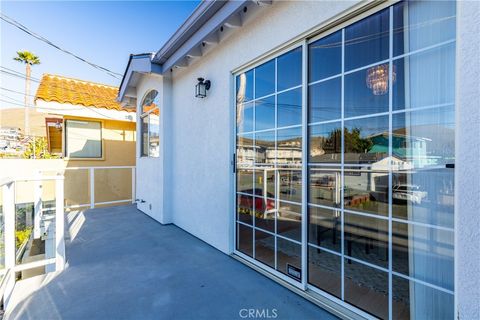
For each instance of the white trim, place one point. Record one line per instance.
(34, 264)
(92, 187)
(67, 109)
(112, 202)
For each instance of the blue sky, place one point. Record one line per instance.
(104, 33)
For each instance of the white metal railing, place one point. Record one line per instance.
(53, 234)
(91, 174)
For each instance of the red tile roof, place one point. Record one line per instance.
(78, 92)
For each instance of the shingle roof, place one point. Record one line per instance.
(78, 92)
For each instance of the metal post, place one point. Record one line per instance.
(133, 185)
(59, 225)
(37, 209)
(92, 187)
(9, 225)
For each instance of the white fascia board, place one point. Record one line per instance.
(215, 22)
(137, 64)
(67, 109)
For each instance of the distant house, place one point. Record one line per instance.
(84, 123)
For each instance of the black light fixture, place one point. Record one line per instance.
(202, 87)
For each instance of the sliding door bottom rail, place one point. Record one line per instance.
(337, 309)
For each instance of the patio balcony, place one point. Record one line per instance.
(121, 264)
(74, 258)
(32, 214)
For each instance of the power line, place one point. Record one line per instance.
(17, 72)
(14, 91)
(18, 104)
(23, 28)
(13, 99)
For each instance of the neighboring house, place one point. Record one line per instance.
(87, 127)
(84, 124)
(374, 220)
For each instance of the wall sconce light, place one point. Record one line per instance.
(202, 87)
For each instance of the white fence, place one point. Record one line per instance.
(91, 186)
(51, 232)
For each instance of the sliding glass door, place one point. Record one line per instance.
(269, 163)
(376, 225)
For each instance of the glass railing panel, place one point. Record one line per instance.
(114, 184)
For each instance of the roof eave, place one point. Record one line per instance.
(137, 63)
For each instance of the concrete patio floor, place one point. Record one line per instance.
(124, 265)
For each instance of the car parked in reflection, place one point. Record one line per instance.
(264, 202)
(408, 192)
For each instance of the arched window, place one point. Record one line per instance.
(149, 121)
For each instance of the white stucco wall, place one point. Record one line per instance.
(202, 140)
(467, 174)
(149, 171)
(195, 191)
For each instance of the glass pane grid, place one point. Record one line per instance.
(379, 203)
(362, 207)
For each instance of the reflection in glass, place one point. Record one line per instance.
(325, 187)
(324, 228)
(324, 271)
(324, 100)
(366, 141)
(244, 117)
(366, 191)
(265, 147)
(360, 99)
(289, 69)
(425, 196)
(265, 213)
(150, 101)
(288, 254)
(419, 24)
(265, 248)
(366, 239)
(367, 288)
(325, 57)
(290, 184)
(154, 134)
(265, 181)
(413, 300)
(424, 138)
(366, 41)
(244, 87)
(423, 253)
(144, 135)
(265, 79)
(245, 181)
(425, 79)
(289, 221)
(265, 113)
(245, 208)
(289, 108)
(289, 146)
(245, 239)
(245, 151)
(325, 143)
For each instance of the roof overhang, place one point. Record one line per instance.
(75, 110)
(137, 64)
(210, 23)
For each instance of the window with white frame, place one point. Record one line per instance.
(345, 179)
(83, 139)
(149, 125)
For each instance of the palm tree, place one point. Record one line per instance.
(29, 59)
